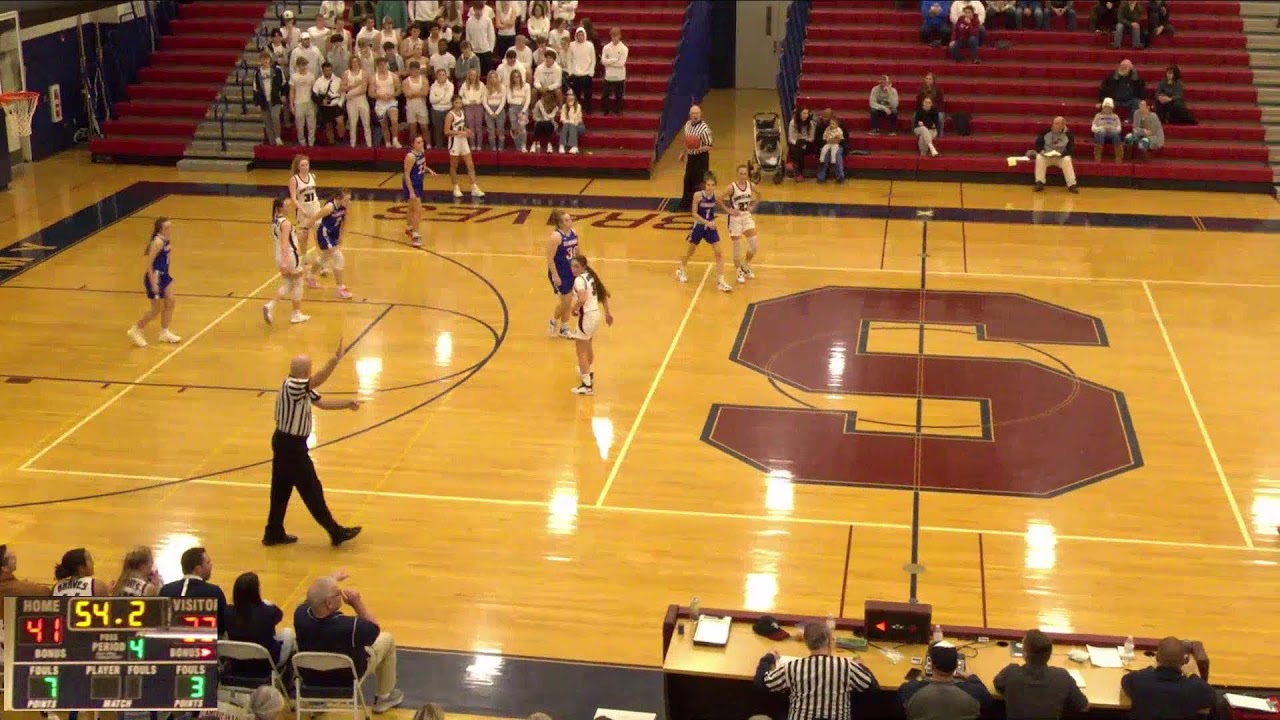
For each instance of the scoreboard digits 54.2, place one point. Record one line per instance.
(70, 653)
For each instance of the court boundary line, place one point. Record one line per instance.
(627, 509)
(1195, 412)
(653, 388)
(151, 371)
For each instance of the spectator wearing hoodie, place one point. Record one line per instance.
(884, 105)
(957, 10)
(936, 26)
(1106, 131)
(1053, 149)
(966, 33)
(1064, 9)
(1131, 16)
(1123, 86)
(1170, 106)
(1148, 132)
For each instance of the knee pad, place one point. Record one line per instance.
(336, 260)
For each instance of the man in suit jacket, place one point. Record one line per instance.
(269, 89)
(197, 568)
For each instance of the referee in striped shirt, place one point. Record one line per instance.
(697, 158)
(821, 685)
(291, 464)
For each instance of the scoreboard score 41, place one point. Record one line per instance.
(118, 653)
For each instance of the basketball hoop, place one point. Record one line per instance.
(19, 108)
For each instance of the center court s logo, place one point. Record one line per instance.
(1043, 430)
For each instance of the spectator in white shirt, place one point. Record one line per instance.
(506, 18)
(337, 55)
(548, 77)
(384, 86)
(367, 53)
(571, 127)
(510, 64)
(565, 10)
(544, 120)
(614, 58)
(279, 52)
(442, 59)
(481, 35)
(389, 33)
(416, 118)
(517, 110)
(440, 97)
(582, 68)
(558, 35)
(495, 106)
(321, 31)
(445, 31)
(343, 28)
(473, 92)
(394, 62)
(538, 25)
(301, 83)
(412, 45)
(423, 13)
(306, 50)
(524, 54)
(369, 30)
(333, 9)
(290, 30)
(467, 62)
(355, 85)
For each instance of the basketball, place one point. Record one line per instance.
(691, 142)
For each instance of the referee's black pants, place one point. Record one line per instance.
(695, 167)
(291, 467)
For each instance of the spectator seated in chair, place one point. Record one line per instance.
(1169, 103)
(1148, 131)
(884, 106)
(935, 27)
(1035, 691)
(1164, 691)
(966, 33)
(322, 627)
(1132, 17)
(1106, 131)
(1123, 86)
(254, 620)
(800, 134)
(946, 692)
(10, 585)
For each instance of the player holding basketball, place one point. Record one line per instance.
(284, 243)
(562, 247)
(158, 283)
(589, 297)
(415, 169)
(306, 201)
(738, 203)
(703, 208)
(328, 236)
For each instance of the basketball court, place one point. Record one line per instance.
(1080, 393)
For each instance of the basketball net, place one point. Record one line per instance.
(19, 109)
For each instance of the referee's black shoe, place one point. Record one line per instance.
(280, 538)
(344, 534)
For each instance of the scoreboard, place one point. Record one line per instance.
(118, 653)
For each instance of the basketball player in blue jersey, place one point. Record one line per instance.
(415, 169)
(738, 203)
(158, 284)
(328, 236)
(562, 247)
(703, 207)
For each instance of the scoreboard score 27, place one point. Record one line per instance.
(117, 653)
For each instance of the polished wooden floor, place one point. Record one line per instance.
(504, 514)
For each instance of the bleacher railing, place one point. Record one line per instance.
(792, 56)
(690, 72)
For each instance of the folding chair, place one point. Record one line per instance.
(251, 667)
(311, 698)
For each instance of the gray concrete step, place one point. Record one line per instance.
(1261, 25)
(1258, 41)
(239, 132)
(1268, 95)
(213, 148)
(1259, 8)
(1264, 59)
(213, 164)
(1273, 134)
(1270, 115)
(1266, 77)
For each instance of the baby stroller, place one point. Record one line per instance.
(768, 160)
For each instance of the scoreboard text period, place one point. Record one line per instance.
(74, 653)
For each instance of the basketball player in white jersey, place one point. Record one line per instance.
(590, 296)
(306, 201)
(75, 576)
(139, 577)
(459, 138)
(284, 244)
(739, 201)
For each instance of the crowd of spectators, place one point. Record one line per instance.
(514, 65)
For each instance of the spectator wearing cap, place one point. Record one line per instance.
(10, 585)
(1106, 131)
(1035, 691)
(1164, 691)
(821, 685)
(947, 693)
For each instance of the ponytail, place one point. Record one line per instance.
(155, 230)
(72, 561)
(137, 559)
(602, 292)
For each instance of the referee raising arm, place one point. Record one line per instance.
(696, 155)
(291, 464)
(822, 684)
